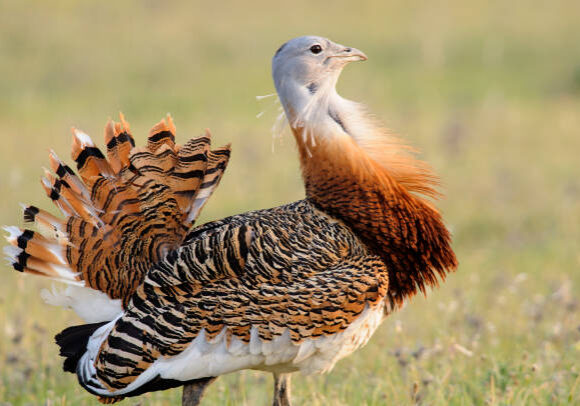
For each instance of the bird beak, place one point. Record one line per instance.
(351, 55)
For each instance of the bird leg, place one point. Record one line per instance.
(281, 390)
(193, 391)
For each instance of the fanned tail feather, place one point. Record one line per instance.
(123, 211)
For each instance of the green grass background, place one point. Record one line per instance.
(489, 90)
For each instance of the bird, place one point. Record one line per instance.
(293, 288)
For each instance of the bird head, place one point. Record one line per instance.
(305, 71)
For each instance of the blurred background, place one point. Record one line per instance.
(489, 91)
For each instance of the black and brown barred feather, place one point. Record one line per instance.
(292, 268)
(123, 211)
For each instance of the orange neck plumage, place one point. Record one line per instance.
(405, 230)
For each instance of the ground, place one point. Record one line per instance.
(488, 90)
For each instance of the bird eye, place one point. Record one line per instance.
(316, 49)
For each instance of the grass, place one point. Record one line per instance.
(489, 90)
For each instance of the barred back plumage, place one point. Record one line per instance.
(292, 288)
(227, 285)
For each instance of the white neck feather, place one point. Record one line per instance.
(319, 111)
(324, 114)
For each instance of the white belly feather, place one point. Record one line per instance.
(205, 359)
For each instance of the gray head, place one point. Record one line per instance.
(308, 67)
